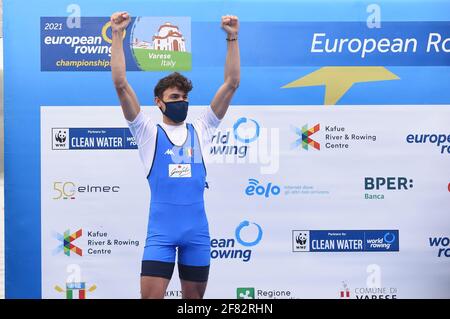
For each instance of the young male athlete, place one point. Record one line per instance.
(171, 154)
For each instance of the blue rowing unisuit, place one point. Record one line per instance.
(177, 213)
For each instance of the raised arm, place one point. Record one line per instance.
(128, 99)
(223, 97)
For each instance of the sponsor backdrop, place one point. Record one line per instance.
(328, 178)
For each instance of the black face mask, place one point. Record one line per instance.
(176, 111)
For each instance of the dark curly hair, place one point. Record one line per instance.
(173, 80)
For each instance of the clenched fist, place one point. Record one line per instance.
(120, 21)
(230, 24)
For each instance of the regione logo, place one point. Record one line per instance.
(180, 170)
(245, 293)
(60, 138)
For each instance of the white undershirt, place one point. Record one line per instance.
(144, 130)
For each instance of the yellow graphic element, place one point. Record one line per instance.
(105, 36)
(338, 80)
(59, 289)
(92, 288)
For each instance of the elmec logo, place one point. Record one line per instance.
(304, 137)
(69, 190)
(386, 184)
(60, 138)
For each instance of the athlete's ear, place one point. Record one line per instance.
(160, 103)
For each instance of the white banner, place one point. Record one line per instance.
(302, 202)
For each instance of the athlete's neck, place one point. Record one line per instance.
(168, 121)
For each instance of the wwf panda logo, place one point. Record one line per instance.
(301, 239)
(60, 136)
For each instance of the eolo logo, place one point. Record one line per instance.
(255, 188)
